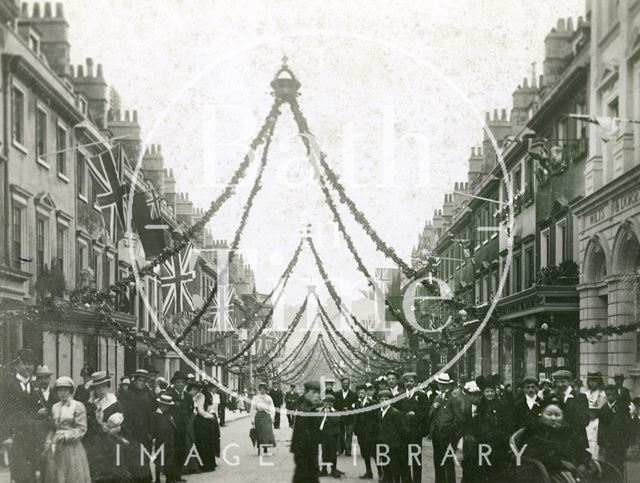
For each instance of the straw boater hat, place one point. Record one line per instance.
(263, 384)
(99, 378)
(43, 371)
(471, 387)
(165, 399)
(125, 381)
(444, 378)
(140, 373)
(64, 381)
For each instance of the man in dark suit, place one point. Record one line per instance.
(306, 435)
(526, 408)
(164, 432)
(82, 393)
(415, 407)
(366, 429)
(20, 423)
(277, 397)
(576, 406)
(290, 401)
(614, 429)
(182, 412)
(346, 400)
(445, 420)
(393, 438)
(624, 396)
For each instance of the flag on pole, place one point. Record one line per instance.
(223, 304)
(610, 126)
(155, 202)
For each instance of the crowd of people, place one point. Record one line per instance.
(490, 429)
(56, 432)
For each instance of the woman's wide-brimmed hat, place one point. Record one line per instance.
(99, 378)
(140, 374)
(64, 381)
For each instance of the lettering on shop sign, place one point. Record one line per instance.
(625, 200)
(595, 217)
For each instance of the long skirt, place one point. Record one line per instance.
(68, 464)
(207, 441)
(264, 430)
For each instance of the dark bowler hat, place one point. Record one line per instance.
(385, 393)
(312, 386)
(408, 375)
(360, 387)
(178, 376)
(618, 376)
(529, 380)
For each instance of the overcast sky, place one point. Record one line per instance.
(198, 73)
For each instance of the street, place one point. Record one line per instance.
(277, 467)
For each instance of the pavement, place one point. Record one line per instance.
(239, 461)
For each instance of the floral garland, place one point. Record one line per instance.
(239, 230)
(288, 360)
(328, 323)
(520, 199)
(282, 341)
(333, 364)
(348, 361)
(303, 128)
(283, 279)
(301, 366)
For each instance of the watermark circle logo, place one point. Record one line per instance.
(301, 38)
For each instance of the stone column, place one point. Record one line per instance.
(622, 348)
(593, 312)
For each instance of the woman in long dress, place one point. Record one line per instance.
(262, 413)
(597, 398)
(103, 441)
(207, 430)
(67, 460)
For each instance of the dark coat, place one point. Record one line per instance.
(346, 403)
(445, 417)
(138, 407)
(393, 429)
(164, 431)
(366, 425)
(306, 432)
(553, 445)
(615, 427)
(20, 422)
(290, 400)
(82, 394)
(331, 426)
(277, 396)
(577, 415)
(182, 412)
(416, 411)
(522, 415)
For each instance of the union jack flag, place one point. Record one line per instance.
(223, 304)
(155, 202)
(177, 273)
(108, 171)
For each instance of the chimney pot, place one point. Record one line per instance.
(24, 11)
(495, 114)
(36, 10)
(126, 116)
(570, 24)
(99, 74)
(59, 10)
(47, 9)
(504, 115)
(525, 83)
(473, 152)
(135, 116)
(80, 71)
(560, 27)
(89, 67)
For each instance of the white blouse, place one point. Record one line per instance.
(262, 402)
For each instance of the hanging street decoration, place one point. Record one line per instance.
(176, 275)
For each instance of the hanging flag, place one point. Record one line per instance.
(610, 126)
(177, 273)
(155, 202)
(108, 171)
(223, 318)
